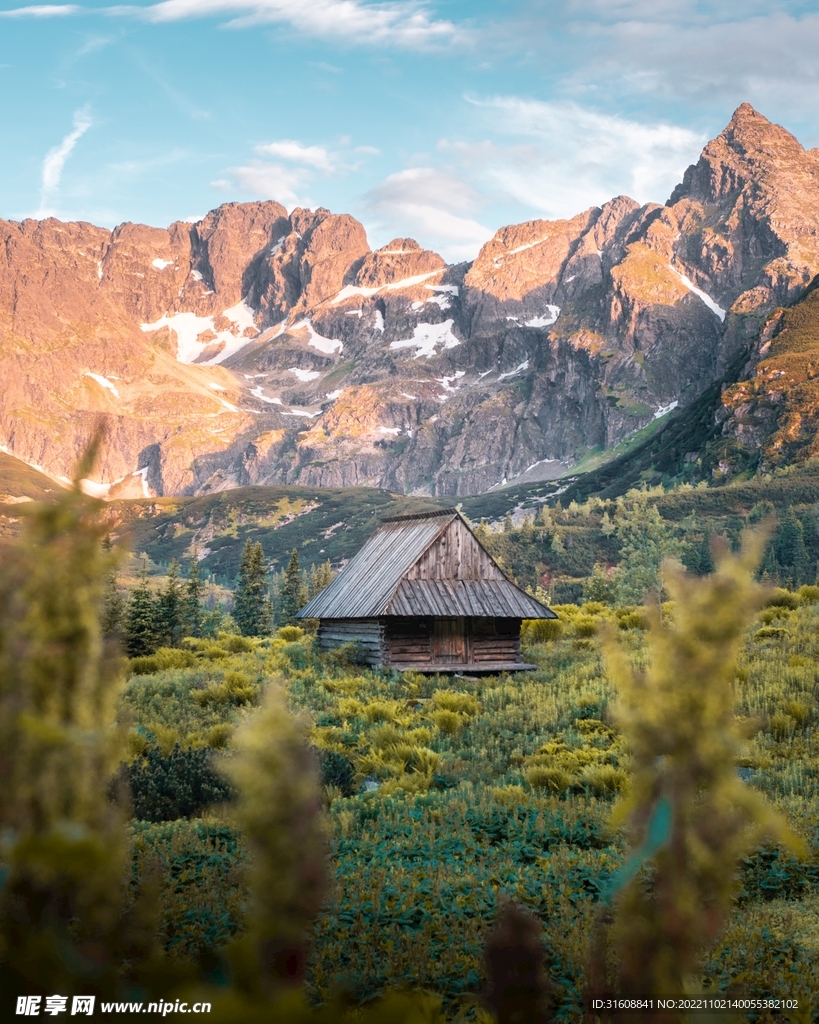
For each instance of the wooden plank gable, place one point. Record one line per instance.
(455, 555)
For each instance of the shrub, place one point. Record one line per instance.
(159, 661)
(177, 785)
(632, 618)
(540, 631)
(236, 644)
(782, 726)
(449, 722)
(452, 700)
(782, 599)
(553, 779)
(800, 712)
(585, 626)
(237, 688)
(290, 633)
(603, 779)
(336, 770)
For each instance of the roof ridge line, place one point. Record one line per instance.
(422, 515)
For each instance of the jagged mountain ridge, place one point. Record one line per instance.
(260, 347)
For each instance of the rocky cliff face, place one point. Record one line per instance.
(261, 347)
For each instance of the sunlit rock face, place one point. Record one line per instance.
(257, 346)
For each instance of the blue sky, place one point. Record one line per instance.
(440, 120)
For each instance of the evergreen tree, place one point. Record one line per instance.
(142, 628)
(790, 551)
(252, 608)
(112, 611)
(292, 592)
(706, 558)
(171, 608)
(192, 610)
(645, 540)
(320, 577)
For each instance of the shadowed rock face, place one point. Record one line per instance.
(259, 347)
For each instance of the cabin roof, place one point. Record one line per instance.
(373, 583)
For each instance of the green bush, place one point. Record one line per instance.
(555, 780)
(540, 631)
(336, 770)
(161, 660)
(180, 784)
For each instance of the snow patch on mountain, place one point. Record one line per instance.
(351, 290)
(665, 409)
(188, 327)
(426, 338)
(326, 345)
(102, 381)
(709, 302)
(518, 369)
(303, 375)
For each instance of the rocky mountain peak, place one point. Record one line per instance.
(749, 132)
(259, 347)
(400, 259)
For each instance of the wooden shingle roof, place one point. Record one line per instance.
(383, 578)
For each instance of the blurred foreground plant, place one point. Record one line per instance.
(62, 850)
(690, 815)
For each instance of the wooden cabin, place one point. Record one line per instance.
(424, 594)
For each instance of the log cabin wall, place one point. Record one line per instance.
(426, 641)
(367, 633)
(495, 640)
(408, 641)
(455, 555)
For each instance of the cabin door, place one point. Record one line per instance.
(449, 641)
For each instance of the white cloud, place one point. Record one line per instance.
(42, 11)
(403, 23)
(55, 159)
(564, 157)
(287, 149)
(270, 181)
(432, 204)
(407, 24)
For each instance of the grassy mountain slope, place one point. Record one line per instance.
(321, 523)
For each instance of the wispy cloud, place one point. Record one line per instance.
(404, 23)
(42, 11)
(55, 160)
(408, 24)
(285, 180)
(295, 152)
(268, 181)
(431, 203)
(561, 157)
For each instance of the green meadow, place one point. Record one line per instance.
(444, 795)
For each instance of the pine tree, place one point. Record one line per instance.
(790, 551)
(171, 608)
(142, 632)
(252, 608)
(320, 577)
(292, 592)
(192, 610)
(112, 611)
